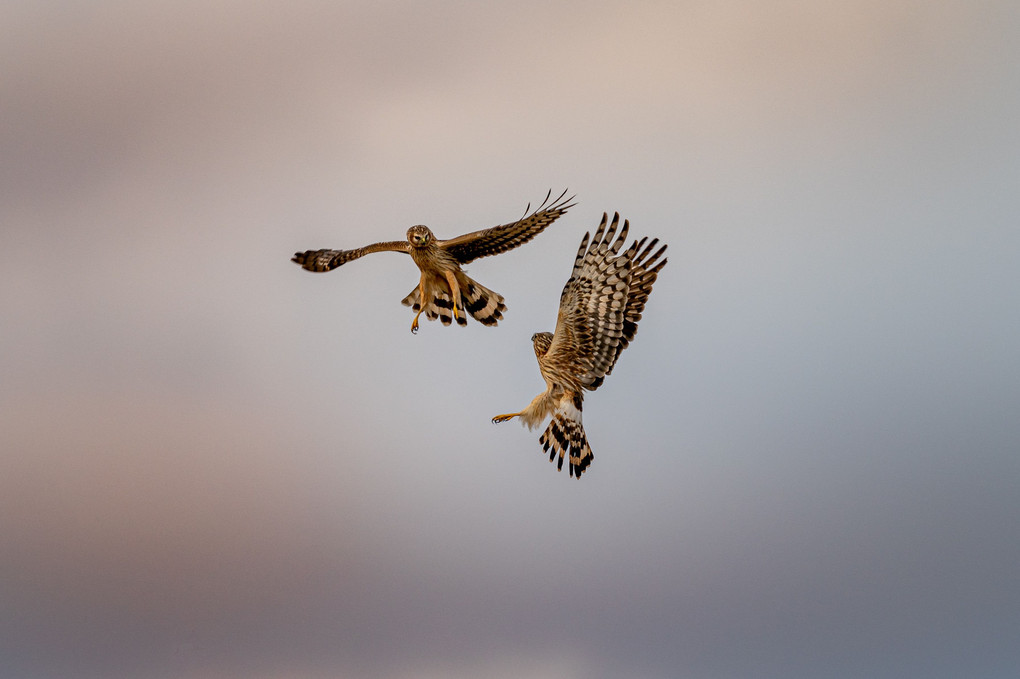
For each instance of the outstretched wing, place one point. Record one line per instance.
(593, 305)
(327, 260)
(603, 300)
(644, 270)
(497, 239)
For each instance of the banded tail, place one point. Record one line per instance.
(565, 437)
(484, 305)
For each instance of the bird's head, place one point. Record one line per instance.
(542, 342)
(419, 236)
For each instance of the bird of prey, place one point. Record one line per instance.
(445, 291)
(600, 307)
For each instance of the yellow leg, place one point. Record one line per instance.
(454, 291)
(421, 308)
(503, 418)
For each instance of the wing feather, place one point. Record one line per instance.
(592, 305)
(327, 260)
(644, 271)
(602, 302)
(497, 239)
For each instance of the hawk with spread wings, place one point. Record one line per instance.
(445, 291)
(600, 307)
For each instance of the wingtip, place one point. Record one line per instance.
(561, 204)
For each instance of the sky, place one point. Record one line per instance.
(216, 465)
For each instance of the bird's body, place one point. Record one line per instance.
(445, 291)
(600, 307)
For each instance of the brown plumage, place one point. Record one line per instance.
(600, 307)
(445, 291)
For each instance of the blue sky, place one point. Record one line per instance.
(218, 466)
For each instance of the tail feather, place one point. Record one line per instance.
(437, 305)
(565, 437)
(484, 305)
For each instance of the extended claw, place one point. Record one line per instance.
(414, 324)
(503, 418)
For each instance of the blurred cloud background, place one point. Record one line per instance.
(216, 465)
